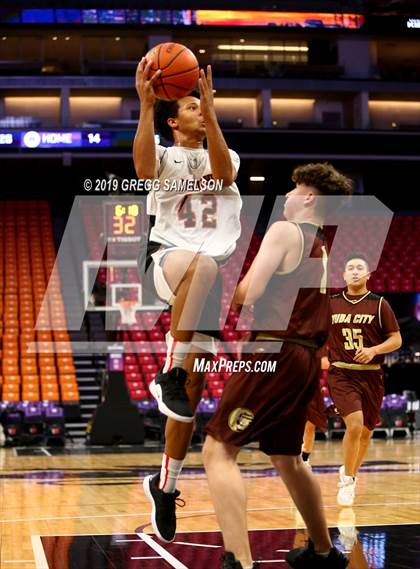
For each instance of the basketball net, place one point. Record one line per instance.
(127, 310)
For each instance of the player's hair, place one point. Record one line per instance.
(356, 255)
(165, 110)
(324, 178)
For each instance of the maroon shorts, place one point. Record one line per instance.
(353, 390)
(317, 413)
(268, 407)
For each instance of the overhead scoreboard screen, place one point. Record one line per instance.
(278, 19)
(33, 140)
(122, 16)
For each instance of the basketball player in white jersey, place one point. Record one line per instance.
(195, 229)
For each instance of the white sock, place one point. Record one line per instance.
(176, 353)
(169, 473)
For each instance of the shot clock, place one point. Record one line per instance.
(123, 221)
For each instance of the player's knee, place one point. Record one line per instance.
(215, 451)
(285, 464)
(209, 450)
(366, 435)
(206, 267)
(202, 267)
(355, 427)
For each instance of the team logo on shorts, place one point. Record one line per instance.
(240, 419)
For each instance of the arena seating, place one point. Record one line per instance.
(27, 254)
(26, 423)
(399, 267)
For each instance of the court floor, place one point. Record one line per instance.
(84, 508)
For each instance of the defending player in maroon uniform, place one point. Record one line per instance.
(363, 329)
(271, 407)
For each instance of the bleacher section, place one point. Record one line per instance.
(399, 265)
(399, 268)
(27, 257)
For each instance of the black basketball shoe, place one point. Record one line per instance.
(229, 562)
(169, 391)
(306, 558)
(163, 508)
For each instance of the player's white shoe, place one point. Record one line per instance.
(346, 527)
(346, 489)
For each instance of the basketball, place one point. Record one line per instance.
(179, 70)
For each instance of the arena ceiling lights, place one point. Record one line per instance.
(283, 48)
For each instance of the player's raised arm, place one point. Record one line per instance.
(144, 148)
(220, 159)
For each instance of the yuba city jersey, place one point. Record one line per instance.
(358, 322)
(190, 211)
(310, 316)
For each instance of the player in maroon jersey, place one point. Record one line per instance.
(271, 407)
(363, 329)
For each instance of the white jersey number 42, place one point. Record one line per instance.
(198, 211)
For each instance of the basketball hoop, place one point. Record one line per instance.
(127, 310)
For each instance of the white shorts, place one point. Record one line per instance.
(162, 287)
(202, 342)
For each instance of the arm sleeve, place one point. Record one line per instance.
(389, 322)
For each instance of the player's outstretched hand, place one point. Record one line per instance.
(144, 86)
(364, 355)
(205, 85)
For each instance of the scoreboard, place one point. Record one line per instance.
(71, 139)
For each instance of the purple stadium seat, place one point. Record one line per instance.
(54, 412)
(146, 404)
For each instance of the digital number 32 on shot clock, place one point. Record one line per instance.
(122, 222)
